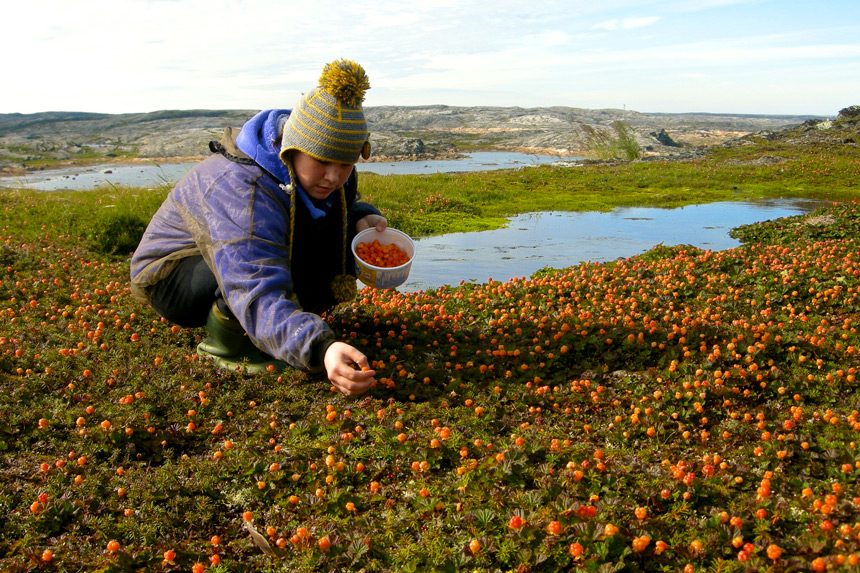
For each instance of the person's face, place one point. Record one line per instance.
(320, 178)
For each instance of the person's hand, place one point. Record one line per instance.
(339, 359)
(369, 221)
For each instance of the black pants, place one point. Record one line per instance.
(186, 295)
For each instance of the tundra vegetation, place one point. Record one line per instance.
(679, 409)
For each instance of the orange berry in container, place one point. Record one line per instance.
(381, 255)
(382, 259)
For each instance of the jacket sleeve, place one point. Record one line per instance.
(248, 221)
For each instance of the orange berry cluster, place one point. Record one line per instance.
(380, 255)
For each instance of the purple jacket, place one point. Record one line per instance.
(236, 215)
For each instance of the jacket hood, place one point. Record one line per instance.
(260, 139)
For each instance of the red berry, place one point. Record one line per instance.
(516, 522)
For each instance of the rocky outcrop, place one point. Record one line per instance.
(386, 145)
(664, 138)
(397, 133)
(843, 130)
(851, 112)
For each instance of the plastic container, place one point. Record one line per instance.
(383, 277)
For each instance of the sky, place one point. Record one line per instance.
(771, 57)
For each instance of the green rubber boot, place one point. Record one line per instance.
(228, 346)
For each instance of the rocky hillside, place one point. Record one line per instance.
(52, 139)
(562, 130)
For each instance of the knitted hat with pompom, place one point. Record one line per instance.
(328, 122)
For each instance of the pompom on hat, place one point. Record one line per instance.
(328, 122)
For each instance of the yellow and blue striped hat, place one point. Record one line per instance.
(328, 123)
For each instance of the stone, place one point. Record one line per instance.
(665, 139)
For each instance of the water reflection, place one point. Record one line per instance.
(560, 239)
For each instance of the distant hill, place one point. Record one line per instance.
(64, 138)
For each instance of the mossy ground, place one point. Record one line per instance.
(681, 409)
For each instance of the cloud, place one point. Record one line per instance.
(141, 55)
(625, 23)
(554, 38)
(701, 5)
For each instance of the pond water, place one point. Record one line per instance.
(156, 174)
(530, 242)
(562, 239)
(481, 161)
